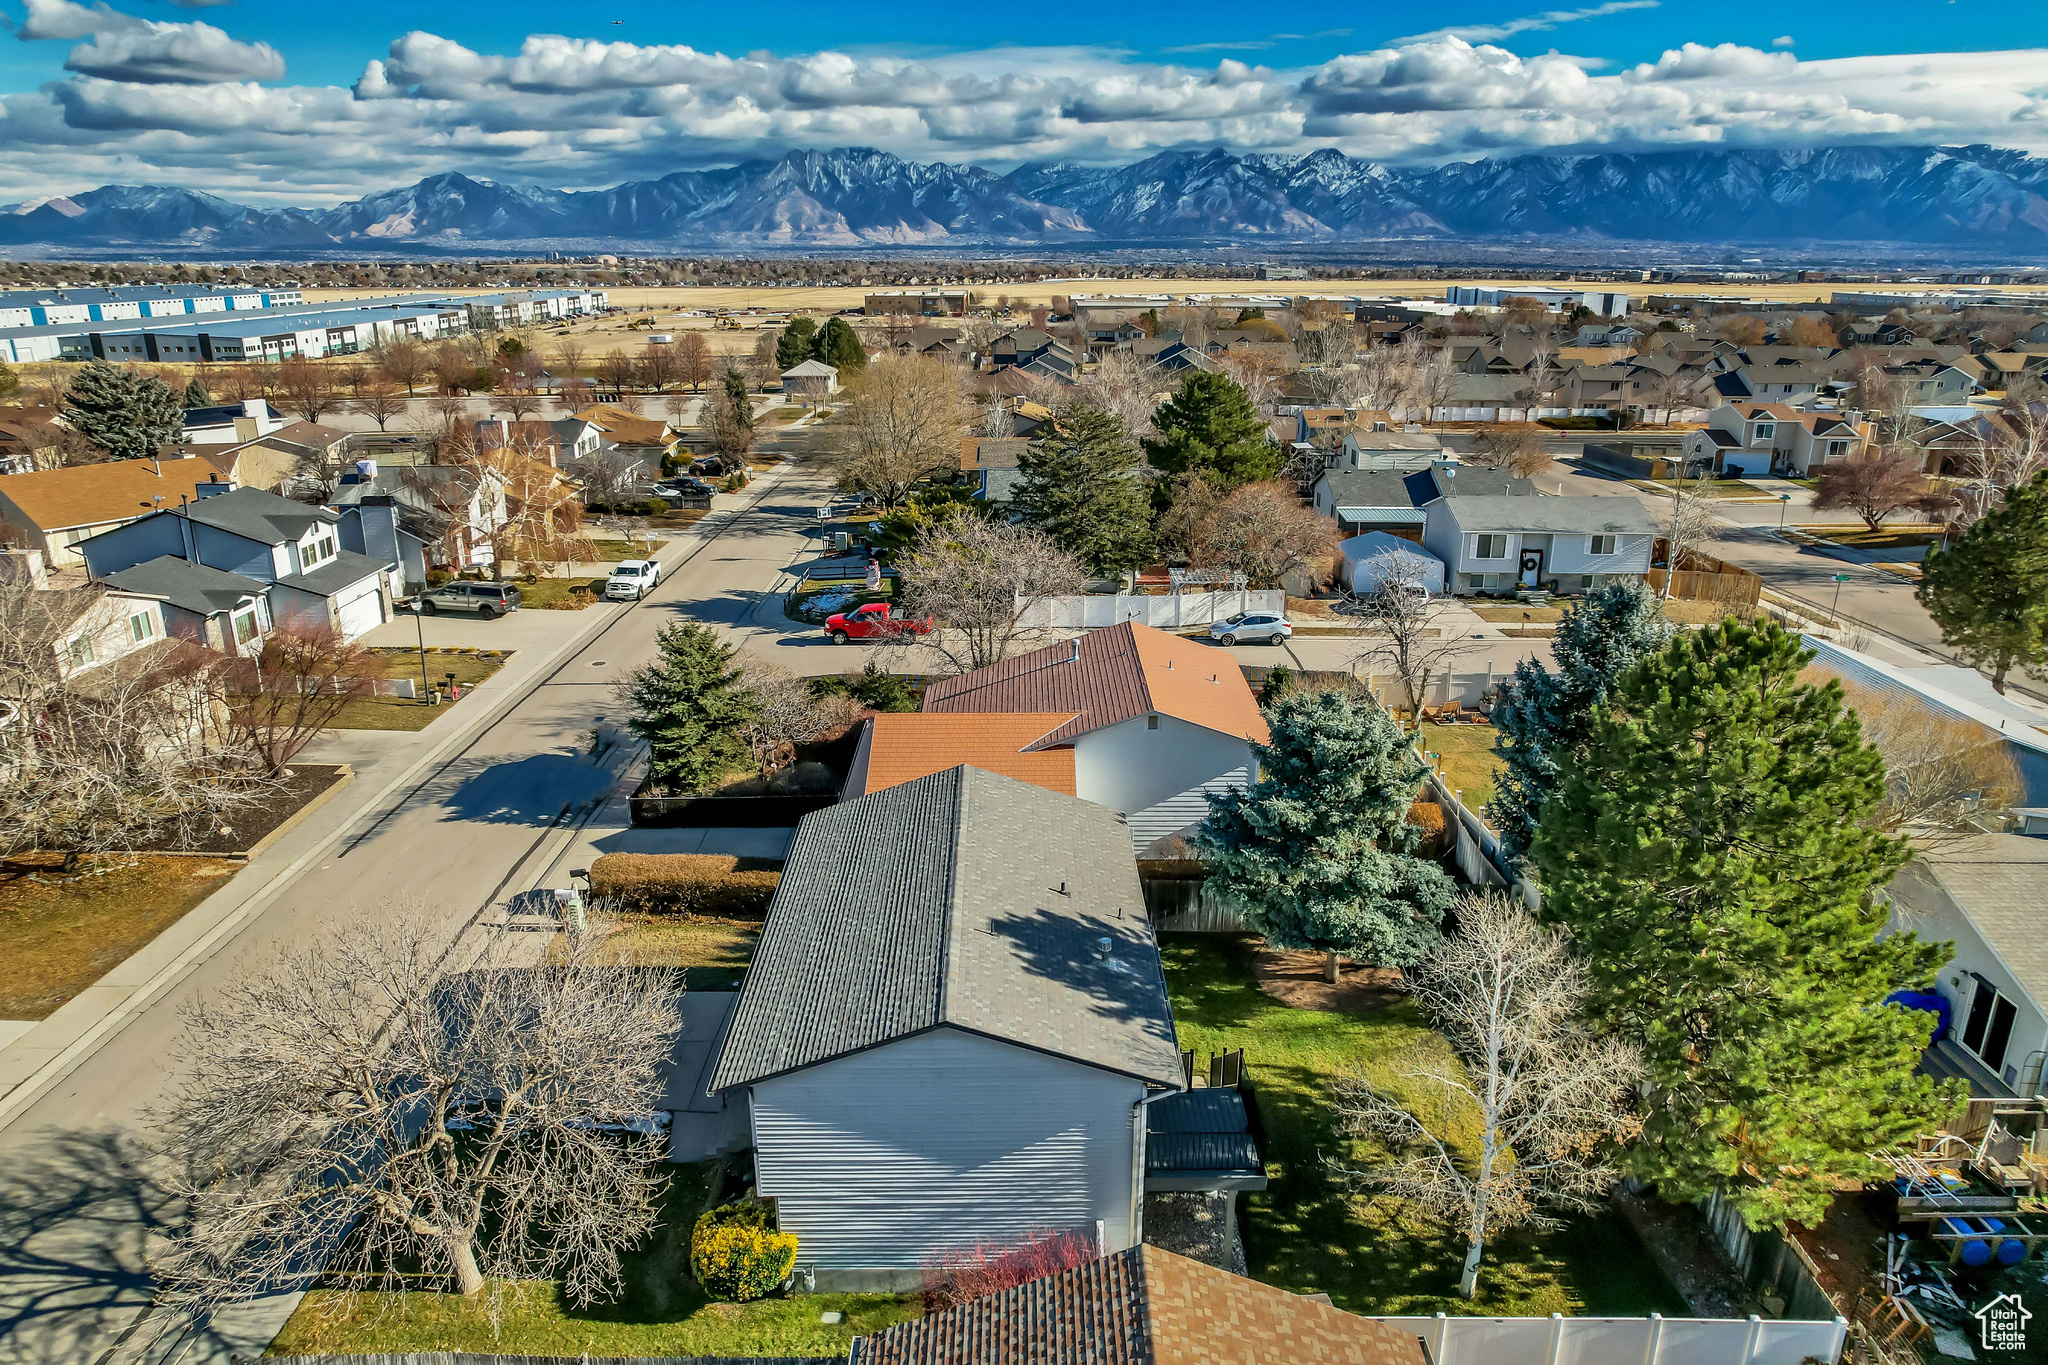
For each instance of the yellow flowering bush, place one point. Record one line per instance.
(736, 1253)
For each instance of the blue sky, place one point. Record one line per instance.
(293, 102)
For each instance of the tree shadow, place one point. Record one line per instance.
(78, 1212)
(526, 791)
(1122, 980)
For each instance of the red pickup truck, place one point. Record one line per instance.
(871, 622)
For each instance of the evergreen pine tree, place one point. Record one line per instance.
(1319, 853)
(736, 395)
(196, 395)
(1544, 717)
(689, 705)
(793, 348)
(10, 382)
(1989, 594)
(838, 346)
(126, 414)
(1708, 849)
(1079, 484)
(1211, 425)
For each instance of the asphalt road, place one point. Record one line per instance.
(77, 1202)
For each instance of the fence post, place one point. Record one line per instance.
(1654, 1347)
(1749, 1343)
(1841, 1338)
(1443, 1340)
(1557, 1339)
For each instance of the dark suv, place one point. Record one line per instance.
(485, 599)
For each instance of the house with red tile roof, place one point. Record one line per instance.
(1153, 723)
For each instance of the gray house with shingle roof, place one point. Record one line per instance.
(954, 1017)
(1989, 896)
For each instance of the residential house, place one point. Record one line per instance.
(1018, 348)
(941, 1044)
(562, 442)
(286, 552)
(30, 439)
(1932, 383)
(52, 510)
(812, 381)
(1618, 335)
(937, 343)
(223, 611)
(454, 511)
(991, 465)
(1491, 398)
(1169, 353)
(1142, 1306)
(1777, 437)
(1392, 497)
(1057, 363)
(1374, 445)
(1988, 895)
(1650, 455)
(2001, 368)
(1593, 389)
(1498, 543)
(630, 431)
(94, 623)
(231, 423)
(295, 450)
(897, 747)
(1156, 722)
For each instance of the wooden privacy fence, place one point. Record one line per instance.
(1655, 1340)
(1703, 578)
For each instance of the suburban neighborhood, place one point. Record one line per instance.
(1018, 822)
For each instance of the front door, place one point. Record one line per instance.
(1532, 567)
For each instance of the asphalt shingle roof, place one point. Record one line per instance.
(1142, 1306)
(345, 569)
(255, 515)
(910, 909)
(197, 588)
(2000, 881)
(1593, 515)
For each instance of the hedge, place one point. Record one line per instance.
(736, 1253)
(708, 884)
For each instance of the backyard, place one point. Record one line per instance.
(1465, 755)
(1307, 1233)
(660, 1313)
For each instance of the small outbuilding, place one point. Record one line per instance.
(811, 382)
(1365, 561)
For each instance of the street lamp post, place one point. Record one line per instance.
(421, 630)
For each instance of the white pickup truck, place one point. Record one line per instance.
(632, 579)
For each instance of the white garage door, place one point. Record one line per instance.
(364, 611)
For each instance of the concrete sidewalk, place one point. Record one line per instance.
(388, 767)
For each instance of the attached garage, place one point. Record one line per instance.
(359, 609)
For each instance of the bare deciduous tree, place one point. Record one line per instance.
(1879, 485)
(787, 712)
(288, 693)
(974, 577)
(351, 1101)
(900, 425)
(307, 388)
(694, 365)
(379, 400)
(1945, 778)
(1692, 523)
(570, 355)
(407, 363)
(1122, 384)
(1407, 633)
(1429, 377)
(1551, 1098)
(2013, 451)
(1511, 446)
(1265, 532)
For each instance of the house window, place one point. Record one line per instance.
(318, 551)
(1600, 545)
(1765, 431)
(1488, 582)
(80, 651)
(1151, 722)
(141, 626)
(245, 626)
(1988, 1028)
(1489, 547)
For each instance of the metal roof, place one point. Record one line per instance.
(1399, 516)
(912, 909)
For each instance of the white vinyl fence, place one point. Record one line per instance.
(1182, 609)
(1654, 1340)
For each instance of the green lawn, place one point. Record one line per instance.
(407, 713)
(1306, 1233)
(661, 1312)
(557, 594)
(1467, 759)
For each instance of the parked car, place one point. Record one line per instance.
(1250, 627)
(870, 622)
(485, 599)
(632, 579)
(682, 486)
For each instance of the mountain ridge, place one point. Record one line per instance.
(860, 197)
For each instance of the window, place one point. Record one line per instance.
(245, 626)
(1765, 430)
(319, 550)
(1151, 722)
(1989, 1025)
(1489, 547)
(141, 626)
(1488, 582)
(80, 650)
(1600, 545)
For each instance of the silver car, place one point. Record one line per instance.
(1251, 628)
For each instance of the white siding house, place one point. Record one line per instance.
(1567, 544)
(942, 1044)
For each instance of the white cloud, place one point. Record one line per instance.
(1531, 23)
(1783, 40)
(184, 103)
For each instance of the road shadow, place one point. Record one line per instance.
(526, 791)
(78, 1212)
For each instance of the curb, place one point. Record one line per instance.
(33, 1086)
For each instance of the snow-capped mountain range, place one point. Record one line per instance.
(858, 197)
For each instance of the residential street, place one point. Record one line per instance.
(479, 825)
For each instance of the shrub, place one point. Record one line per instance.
(1428, 817)
(736, 1253)
(707, 884)
(955, 1277)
